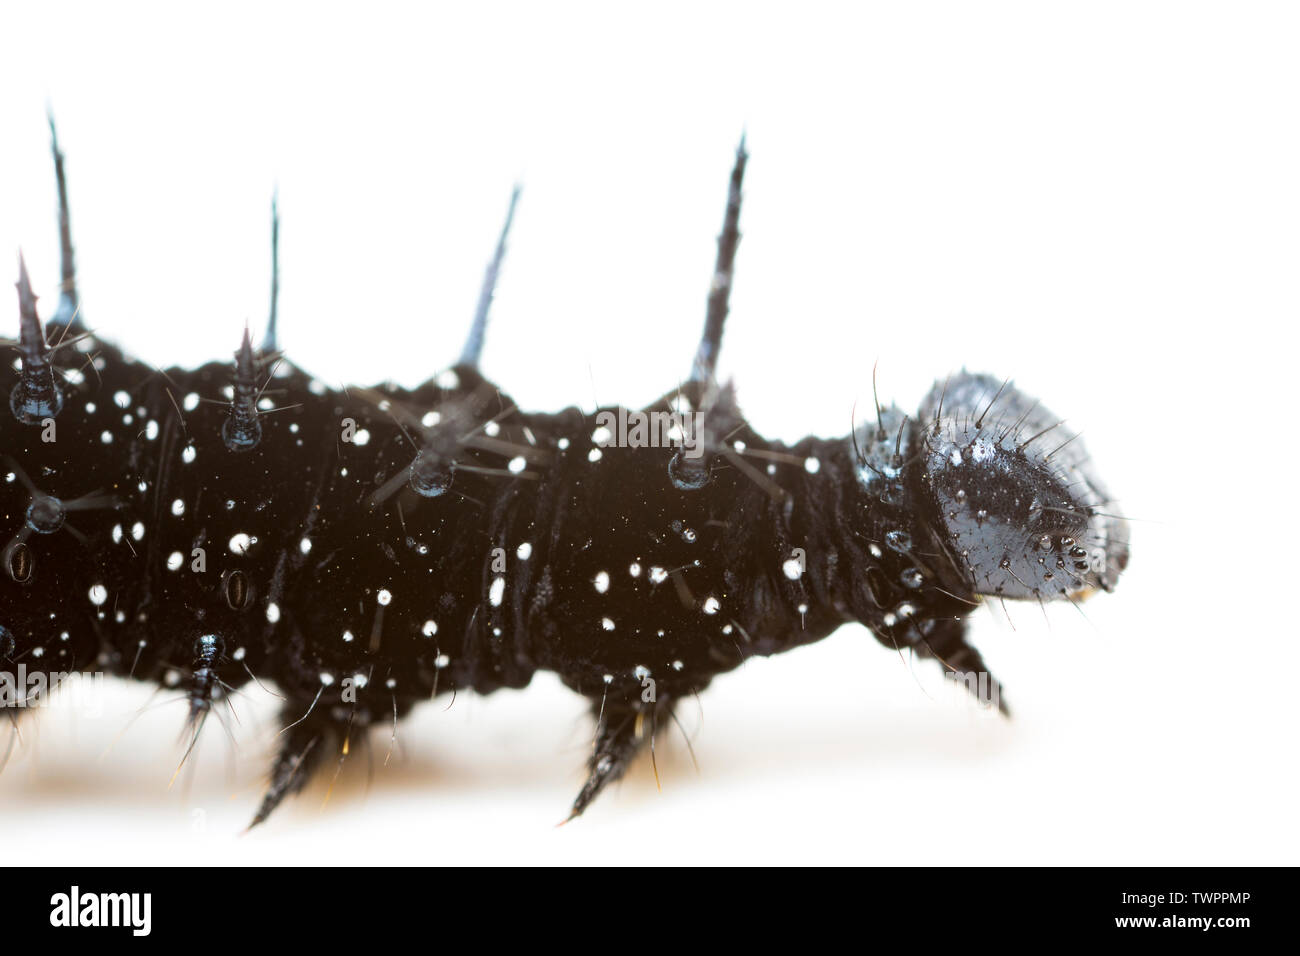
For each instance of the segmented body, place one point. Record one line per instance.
(565, 552)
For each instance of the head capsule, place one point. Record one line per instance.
(1011, 495)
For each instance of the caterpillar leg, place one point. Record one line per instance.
(304, 744)
(946, 642)
(201, 691)
(10, 735)
(622, 731)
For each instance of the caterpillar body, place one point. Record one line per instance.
(365, 550)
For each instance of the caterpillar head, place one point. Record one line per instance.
(1011, 495)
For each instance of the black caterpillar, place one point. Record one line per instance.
(369, 549)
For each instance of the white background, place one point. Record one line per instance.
(1101, 200)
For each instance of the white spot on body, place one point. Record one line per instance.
(601, 582)
(240, 543)
(98, 594)
(497, 591)
(524, 551)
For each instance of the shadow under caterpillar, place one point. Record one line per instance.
(368, 549)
